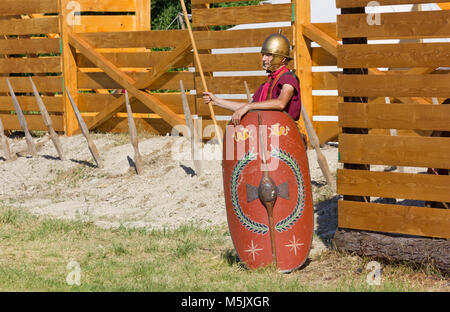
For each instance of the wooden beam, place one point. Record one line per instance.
(303, 58)
(132, 86)
(363, 3)
(422, 221)
(395, 150)
(321, 38)
(394, 185)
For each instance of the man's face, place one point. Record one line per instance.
(267, 60)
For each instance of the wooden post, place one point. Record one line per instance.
(23, 122)
(195, 144)
(134, 137)
(302, 57)
(69, 68)
(48, 121)
(143, 16)
(85, 131)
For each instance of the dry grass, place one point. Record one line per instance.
(35, 251)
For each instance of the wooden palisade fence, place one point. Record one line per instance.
(404, 229)
(119, 32)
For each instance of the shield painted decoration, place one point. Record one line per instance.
(268, 191)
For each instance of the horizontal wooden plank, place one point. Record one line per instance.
(107, 5)
(429, 152)
(155, 125)
(395, 116)
(393, 185)
(134, 59)
(394, 85)
(422, 221)
(394, 55)
(170, 80)
(92, 102)
(196, 2)
(102, 23)
(170, 38)
(32, 26)
(28, 103)
(321, 57)
(231, 62)
(135, 39)
(17, 7)
(324, 80)
(35, 122)
(22, 84)
(230, 85)
(31, 65)
(396, 25)
(242, 15)
(238, 38)
(325, 105)
(363, 3)
(29, 46)
(327, 131)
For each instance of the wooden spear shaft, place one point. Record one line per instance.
(23, 123)
(134, 137)
(48, 121)
(200, 69)
(323, 164)
(85, 131)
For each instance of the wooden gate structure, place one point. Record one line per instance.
(99, 47)
(379, 205)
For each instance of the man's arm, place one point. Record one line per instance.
(231, 105)
(279, 103)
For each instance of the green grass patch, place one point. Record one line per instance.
(35, 253)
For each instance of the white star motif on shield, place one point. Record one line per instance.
(253, 250)
(294, 244)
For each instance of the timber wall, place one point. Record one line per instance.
(120, 31)
(30, 45)
(367, 145)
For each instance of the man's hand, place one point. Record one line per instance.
(209, 97)
(237, 116)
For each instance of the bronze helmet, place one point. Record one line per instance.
(279, 46)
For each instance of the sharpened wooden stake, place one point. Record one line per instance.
(247, 90)
(5, 143)
(323, 164)
(85, 131)
(193, 131)
(48, 121)
(134, 136)
(202, 75)
(23, 123)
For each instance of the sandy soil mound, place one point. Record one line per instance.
(168, 194)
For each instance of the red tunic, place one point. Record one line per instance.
(293, 108)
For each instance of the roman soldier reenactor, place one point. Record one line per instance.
(280, 92)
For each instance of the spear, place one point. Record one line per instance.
(134, 136)
(22, 121)
(47, 121)
(85, 131)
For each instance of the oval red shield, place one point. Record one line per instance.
(287, 166)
